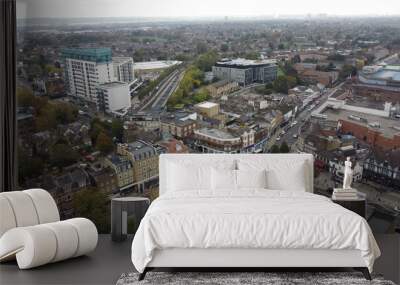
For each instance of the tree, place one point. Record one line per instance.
(347, 70)
(62, 155)
(224, 47)
(104, 143)
(205, 61)
(117, 129)
(25, 97)
(274, 149)
(201, 95)
(93, 205)
(284, 148)
(283, 83)
(31, 166)
(201, 47)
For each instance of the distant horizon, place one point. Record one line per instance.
(190, 9)
(266, 16)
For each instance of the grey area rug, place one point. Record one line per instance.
(236, 278)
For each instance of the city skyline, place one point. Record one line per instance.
(206, 8)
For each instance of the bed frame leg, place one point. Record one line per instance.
(365, 272)
(143, 274)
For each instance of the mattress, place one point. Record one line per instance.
(250, 219)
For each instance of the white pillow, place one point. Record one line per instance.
(281, 174)
(223, 179)
(184, 178)
(251, 178)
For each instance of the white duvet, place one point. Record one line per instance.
(250, 219)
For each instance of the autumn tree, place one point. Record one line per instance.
(62, 155)
(104, 143)
(95, 206)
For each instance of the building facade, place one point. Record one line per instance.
(123, 168)
(178, 128)
(209, 140)
(222, 87)
(113, 97)
(144, 159)
(85, 69)
(123, 69)
(245, 72)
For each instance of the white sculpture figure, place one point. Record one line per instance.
(348, 174)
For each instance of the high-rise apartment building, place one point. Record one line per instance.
(85, 69)
(123, 69)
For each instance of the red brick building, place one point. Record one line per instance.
(373, 137)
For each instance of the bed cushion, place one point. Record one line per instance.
(251, 179)
(183, 177)
(187, 175)
(278, 173)
(223, 179)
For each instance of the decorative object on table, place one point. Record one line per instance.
(31, 231)
(348, 174)
(248, 278)
(121, 209)
(345, 194)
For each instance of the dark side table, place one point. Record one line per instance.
(121, 209)
(357, 206)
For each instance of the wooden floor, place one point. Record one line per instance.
(110, 260)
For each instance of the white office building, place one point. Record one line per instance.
(245, 71)
(114, 98)
(85, 69)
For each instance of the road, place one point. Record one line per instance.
(302, 118)
(163, 91)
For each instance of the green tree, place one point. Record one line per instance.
(347, 70)
(29, 167)
(224, 47)
(117, 129)
(201, 95)
(205, 61)
(25, 97)
(62, 155)
(104, 143)
(201, 47)
(284, 148)
(283, 83)
(274, 149)
(95, 206)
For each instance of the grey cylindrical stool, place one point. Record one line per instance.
(121, 208)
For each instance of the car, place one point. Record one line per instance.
(295, 136)
(283, 132)
(278, 138)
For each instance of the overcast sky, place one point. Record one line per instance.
(202, 8)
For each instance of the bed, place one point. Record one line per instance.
(247, 211)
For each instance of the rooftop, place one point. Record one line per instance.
(112, 84)
(388, 72)
(215, 133)
(155, 64)
(207, 105)
(121, 59)
(242, 62)
(387, 125)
